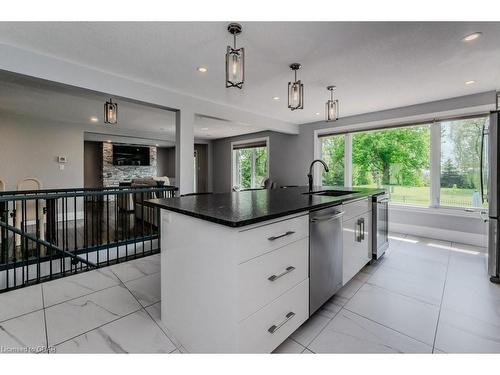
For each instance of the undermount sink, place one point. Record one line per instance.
(332, 193)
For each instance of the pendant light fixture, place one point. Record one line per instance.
(331, 106)
(110, 112)
(235, 60)
(295, 90)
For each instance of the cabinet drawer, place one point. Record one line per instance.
(357, 249)
(265, 330)
(356, 208)
(263, 279)
(260, 240)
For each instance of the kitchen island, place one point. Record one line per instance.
(235, 266)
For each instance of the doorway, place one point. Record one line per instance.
(92, 164)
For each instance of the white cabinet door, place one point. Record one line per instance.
(367, 238)
(356, 249)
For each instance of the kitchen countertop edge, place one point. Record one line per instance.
(332, 201)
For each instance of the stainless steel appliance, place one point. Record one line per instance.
(489, 190)
(380, 225)
(325, 255)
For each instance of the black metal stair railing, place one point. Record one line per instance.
(46, 234)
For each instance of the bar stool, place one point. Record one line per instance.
(30, 208)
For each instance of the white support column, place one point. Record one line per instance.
(435, 156)
(184, 151)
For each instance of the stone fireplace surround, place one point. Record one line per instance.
(113, 174)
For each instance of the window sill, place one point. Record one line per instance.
(449, 211)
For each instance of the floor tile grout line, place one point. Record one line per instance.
(100, 326)
(20, 316)
(404, 295)
(45, 321)
(154, 321)
(389, 328)
(399, 269)
(88, 294)
(135, 278)
(330, 320)
(121, 284)
(295, 341)
(83, 295)
(441, 304)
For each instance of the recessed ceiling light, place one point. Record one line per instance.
(470, 82)
(276, 98)
(157, 145)
(202, 69)
(317, 113)
(204, 129)
(94, 119)
(471, 37)
(109, 141)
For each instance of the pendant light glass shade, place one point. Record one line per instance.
(110, 112)
(295, 91)
(331, 106)
(235, 60)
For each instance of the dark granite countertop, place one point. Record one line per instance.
(238, 209)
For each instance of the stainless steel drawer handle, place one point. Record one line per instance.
(275, 327)
(327, 218)
(363, 229)
(276, 277)
(281, 235)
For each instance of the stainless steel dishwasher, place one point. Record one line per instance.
(325, 255)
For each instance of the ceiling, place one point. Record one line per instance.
(48, 101)
(375, 65)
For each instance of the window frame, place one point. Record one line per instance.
(435, 157)
(242, 142)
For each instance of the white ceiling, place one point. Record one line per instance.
(39, 99)
(375, 66)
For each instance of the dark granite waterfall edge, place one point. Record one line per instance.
(238, 209)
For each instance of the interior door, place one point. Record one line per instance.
(356, 245)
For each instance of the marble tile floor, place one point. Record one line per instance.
(423, 296)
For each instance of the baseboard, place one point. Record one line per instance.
(440, 234)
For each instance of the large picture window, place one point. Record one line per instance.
(395, 159)
(250, 164)
(333, 152)
(460, 162)
(399, 160)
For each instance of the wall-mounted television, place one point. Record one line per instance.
(130, 155)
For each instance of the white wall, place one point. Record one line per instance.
(29, 149)
(442, 224)
(281, 159)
